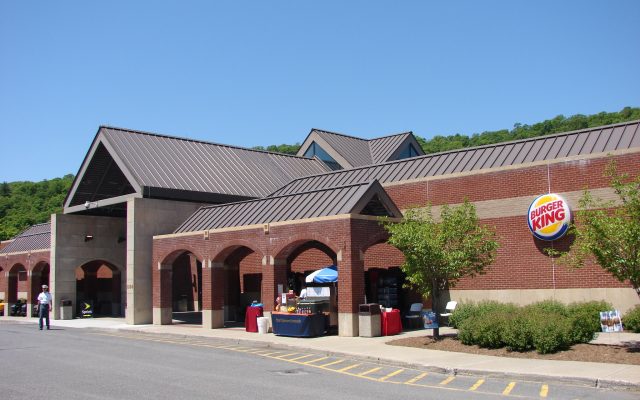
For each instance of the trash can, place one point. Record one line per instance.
(369, 320)
(263, 325)
(66, 309)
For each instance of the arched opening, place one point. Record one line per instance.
(98, 290)
(18, 291)
(39, 277)
(385, 281)
(294, 263)
(242, 283)
(186, 289)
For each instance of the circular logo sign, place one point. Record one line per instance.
(549, 217)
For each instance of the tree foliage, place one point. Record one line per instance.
(282, 148)
(558, 124)
(23, 204)
(439, 252)
(609, 232)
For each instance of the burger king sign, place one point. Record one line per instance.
(549, 217)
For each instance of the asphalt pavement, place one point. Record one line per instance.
(585, 373)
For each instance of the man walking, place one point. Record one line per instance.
(44, 305)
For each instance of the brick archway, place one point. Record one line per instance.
(99, 284)
(17, 285)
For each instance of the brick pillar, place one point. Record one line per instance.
(33, 290)
(212, 295)
(162, 297)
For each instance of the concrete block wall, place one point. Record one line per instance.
(70, 250)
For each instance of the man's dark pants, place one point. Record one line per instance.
(43, 312)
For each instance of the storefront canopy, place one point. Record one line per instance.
(325, 275)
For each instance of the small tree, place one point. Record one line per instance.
(437, 253)
(609, 232)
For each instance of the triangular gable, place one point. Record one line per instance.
(375, 202)
(103, 180)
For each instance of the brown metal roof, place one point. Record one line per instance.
(382, 149)
(162, 166)
(355, 150)
(359, 152)
(582, 142)
(36, 237)
(366, 198)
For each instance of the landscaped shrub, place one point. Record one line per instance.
(546, 306)
(462, 312)
(631, 320)
(485, 330)
(465, 311)
(546, 326)
(551, 333)
(518, 332)
(585, 319)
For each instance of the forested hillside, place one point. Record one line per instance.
(26, 203)
(558, 124)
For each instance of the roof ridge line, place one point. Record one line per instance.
(287, 195)
(148, 133)
(359, 138)
(468, 149)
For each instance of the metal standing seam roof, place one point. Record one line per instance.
(355, 150)
(383, 148)
(36, 237)
(167, 162)
(359, 152)
(595, 140)
(319, 203)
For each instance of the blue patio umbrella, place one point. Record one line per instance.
(325, 275)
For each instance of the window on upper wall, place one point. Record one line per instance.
(315, 150)
(408, 152)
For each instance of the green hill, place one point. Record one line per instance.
(23, 204)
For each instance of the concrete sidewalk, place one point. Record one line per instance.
(584, 373)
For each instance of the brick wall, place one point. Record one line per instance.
(521, 262)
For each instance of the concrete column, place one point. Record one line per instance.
(146, 218)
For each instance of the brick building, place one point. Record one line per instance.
(268, 219)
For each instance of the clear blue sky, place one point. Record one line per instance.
(266, 72)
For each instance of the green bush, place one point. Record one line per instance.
(551, 333)
(631, 320)
(547, 326)
(462, 312)
(485, 330)
(545, 307)
(585, 319)
(518, 333)
(465, 311)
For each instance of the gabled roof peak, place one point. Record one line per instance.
(185, 139)
(359, 138)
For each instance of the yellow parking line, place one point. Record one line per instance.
(270, 354)
(394, 373)
(348, 368)
(287, 355)
(417, 378)
(316, 360)
(509, 388)
(446, 381)
(369, 371)
(477, 384)
(544, 390)
(331, 363)
(301, 357)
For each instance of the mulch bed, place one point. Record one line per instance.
(627, 354)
